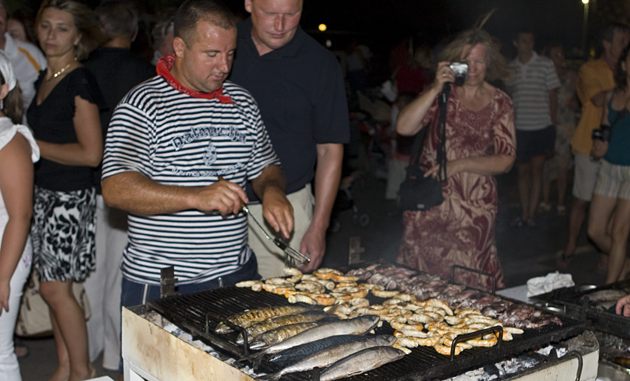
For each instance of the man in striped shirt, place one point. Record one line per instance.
(533, 88)
(179, 150)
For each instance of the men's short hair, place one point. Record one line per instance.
(610, 29)
(118, 19)
(192, 11)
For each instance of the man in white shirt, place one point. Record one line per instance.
(533, 89)
(26, 58)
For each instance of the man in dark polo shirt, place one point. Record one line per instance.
(299, 88)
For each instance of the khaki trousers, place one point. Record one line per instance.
(270, 258)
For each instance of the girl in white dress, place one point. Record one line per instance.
(18, 151)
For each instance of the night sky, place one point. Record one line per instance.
(382, 23)
(386, 20)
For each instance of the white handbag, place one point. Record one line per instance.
(34, 317)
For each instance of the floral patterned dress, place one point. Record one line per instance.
(461, 231)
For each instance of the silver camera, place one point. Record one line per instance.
(460, 69)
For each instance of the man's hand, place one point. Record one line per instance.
(224, 197)
(314, 246)
(278, 212)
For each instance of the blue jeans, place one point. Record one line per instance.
(134, 293)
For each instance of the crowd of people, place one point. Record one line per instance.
(150, 162)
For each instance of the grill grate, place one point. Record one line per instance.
(189, 312)
(605, 321)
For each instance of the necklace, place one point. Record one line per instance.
(60, 71)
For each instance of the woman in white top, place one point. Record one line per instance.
(18, 151)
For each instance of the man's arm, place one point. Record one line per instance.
(327, 177)
(135, 193)
(270, 188)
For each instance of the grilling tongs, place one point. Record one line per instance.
(298, 257)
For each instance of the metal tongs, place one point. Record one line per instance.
(295, 255)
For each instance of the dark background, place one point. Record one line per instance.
(385, 20)
(381, 24)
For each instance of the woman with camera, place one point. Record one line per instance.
(609, 214)
(480, 143)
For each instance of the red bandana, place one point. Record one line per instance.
(163, 68)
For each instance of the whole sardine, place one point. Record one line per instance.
(331, 355)
(295, 354)
(280, 334)
(248, 318)
(355, 326)
(281, 321)
(361, 362)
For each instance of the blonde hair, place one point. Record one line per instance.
(85, 21)
(496, 67)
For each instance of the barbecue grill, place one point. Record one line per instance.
(199, 314)
(570, 299)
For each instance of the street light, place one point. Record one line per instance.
(585, 27)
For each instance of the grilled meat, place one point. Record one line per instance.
(425, 286)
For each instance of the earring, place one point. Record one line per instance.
(1, 104)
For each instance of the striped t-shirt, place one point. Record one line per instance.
(176, 139)
(529, 88)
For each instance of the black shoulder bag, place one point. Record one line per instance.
(417, 192)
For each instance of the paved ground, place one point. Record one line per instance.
(524, 252)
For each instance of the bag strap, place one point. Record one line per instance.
(441, 153)
(416, 149)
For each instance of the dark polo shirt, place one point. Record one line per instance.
(300, 91)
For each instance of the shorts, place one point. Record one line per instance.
(64, 234)
(613, 181)
(585, 176)
(530, 144)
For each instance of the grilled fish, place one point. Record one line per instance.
(280, 334)
(356, 326)
(248, 318)
(603, 299)
(361, 362)
(281, 321)
(295, 354)
(331, 355)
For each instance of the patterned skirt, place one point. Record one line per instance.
(63, 234)
(457, 233)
